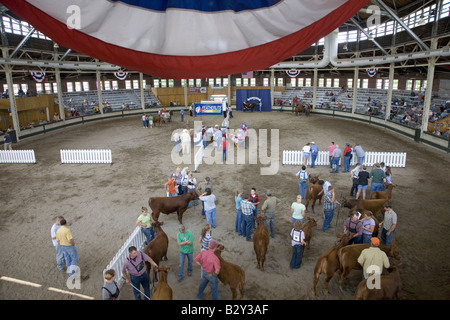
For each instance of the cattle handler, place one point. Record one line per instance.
(373, 259)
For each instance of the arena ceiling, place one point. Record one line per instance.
(403, 42)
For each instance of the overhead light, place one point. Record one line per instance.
(344, 47)
(55, 45)
(370, 36)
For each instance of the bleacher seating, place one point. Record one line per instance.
(116, 99)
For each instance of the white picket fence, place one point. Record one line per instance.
(136, 239)
(86, 156)
(392, 159)
(17, 156)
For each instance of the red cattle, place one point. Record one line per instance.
(162, 290)
(328, 263)
(157, 248)
(307, 229)
(231, 274)
(167, 205)
(390, 287)
(260, 242)
(348, 257)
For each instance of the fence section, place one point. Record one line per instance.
(86, 156)
(17, 156)
(136, 239)
(392, 159)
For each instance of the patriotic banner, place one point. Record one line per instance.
(293, 73)
(121, 75)
(147, 36)
(372, 71)
(38, 76)
(247, 75)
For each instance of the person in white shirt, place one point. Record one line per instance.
(59, 254)
(209, 200)
(306, 151)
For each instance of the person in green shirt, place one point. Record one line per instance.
(185, 240)
(298, 210)
(144, 221)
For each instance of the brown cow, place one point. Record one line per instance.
(307, 110)
(314, 192)
(159, 120)
(162, 290)
(299, 110)
(231, 274)
(374, 205)
(157, 248)
(260, 241)
(390, 287)
(348, 257)
(386, 194)
(167, 205)
(328, 263)
(307, 229)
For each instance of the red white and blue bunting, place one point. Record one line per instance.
(372, 71)
(293, 73)
(38, 76)
(147, 36)
(121, 75)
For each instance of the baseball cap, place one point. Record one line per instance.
(212, 245)
(375, 241)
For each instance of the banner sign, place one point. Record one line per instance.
(208, 108)
(372, 71)
(38, 76)
(259, 97)
(121, 75)
(293, 73)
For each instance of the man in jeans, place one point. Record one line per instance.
(378, 179)
(269, 211)
(302, 176)
(247, 213)
(389, 224)
(67, 243)
(185, 241)
(135, 266)
(329, 204)
(210, 263)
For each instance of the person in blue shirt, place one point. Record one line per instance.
(314, 152)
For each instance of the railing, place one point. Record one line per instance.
(17, 156)
(392, 159)
(136, 239)
(86, 156)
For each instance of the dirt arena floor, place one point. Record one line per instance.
(102, 202)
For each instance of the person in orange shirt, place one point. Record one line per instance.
(170, 186)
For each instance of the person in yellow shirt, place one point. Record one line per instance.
(373, 259)
(67, 243)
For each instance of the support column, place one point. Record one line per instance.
(229, 90)
(185, 94)
(271, 80)
(12, 100)
(62, 114)
(99, 91)
(141, 86)
(355, 89)
(387, 112)
(315, 88)
(429, 89)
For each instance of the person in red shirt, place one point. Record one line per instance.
(224, 147)
(210, 263)
(254, 198)
(347, 157)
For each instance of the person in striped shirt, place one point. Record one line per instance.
(247, 209)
